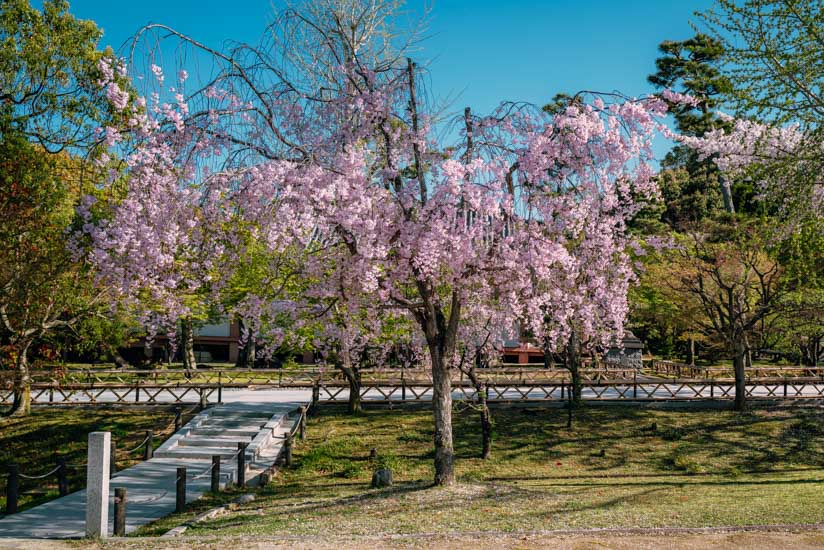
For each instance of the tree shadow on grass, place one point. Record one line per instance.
(616, 437)
(275, 508)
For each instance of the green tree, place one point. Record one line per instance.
(42, 288)
(49, 74)
(772, 56)
(50, 106)
(692, 186)
(731, 274)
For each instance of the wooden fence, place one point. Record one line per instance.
(525, 383)
(683, 370)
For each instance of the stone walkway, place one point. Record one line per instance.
(150, 485)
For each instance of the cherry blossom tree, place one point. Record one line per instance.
(521, 219)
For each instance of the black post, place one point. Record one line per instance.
(180, 490)
(302, 423)
(215, 487)
(113, 459)
(569, 408)
(403, 385)
(220, 386)
(635, 385)
(120, 511)
(241, 464)
(287, 450)
(12, 489)
(315, 396)
(178, 418)
(62, 477)
(149, 445)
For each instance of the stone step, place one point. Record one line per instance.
(246, 425)
(202, 453)
(232, 442)
(239, 433)
(237, 413)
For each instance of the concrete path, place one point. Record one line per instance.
(150, 485)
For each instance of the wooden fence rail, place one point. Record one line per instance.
(402, 389)
(284, 378)
(682, 370)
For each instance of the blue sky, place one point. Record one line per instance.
(479, 52)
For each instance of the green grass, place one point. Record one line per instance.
(36, 442)
(621, 466)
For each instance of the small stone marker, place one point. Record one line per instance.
(382, 478)
(245, 499)
(97, 485)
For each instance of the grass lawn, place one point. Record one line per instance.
(621, 466)
(37, 441)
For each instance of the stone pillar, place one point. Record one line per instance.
(97, 485)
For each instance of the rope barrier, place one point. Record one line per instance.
(47, 474)
(293, 430)
(209, 469)
(203, 473)
(130, 451)
(147, 500)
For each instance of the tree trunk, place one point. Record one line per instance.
(486, 423)
(739, 366)
(187, 343)
(21, 406)
(549, 361)
(573, 363)
(726, 193)
(353, 376)
(246, 355)
(810, 351)
(483, 409)
(442, 412)
(691, 352)
(118, 359)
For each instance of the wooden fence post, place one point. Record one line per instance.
(112, 459)
(178, 418)
(12, 489)
(149, 445)
(287, 450)
(62, 477)
(120, 511)
(403, 385)
(315, 395)
(220, 386)
(241, 464)
(302, 423)
(215, 486)
(180, 490)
